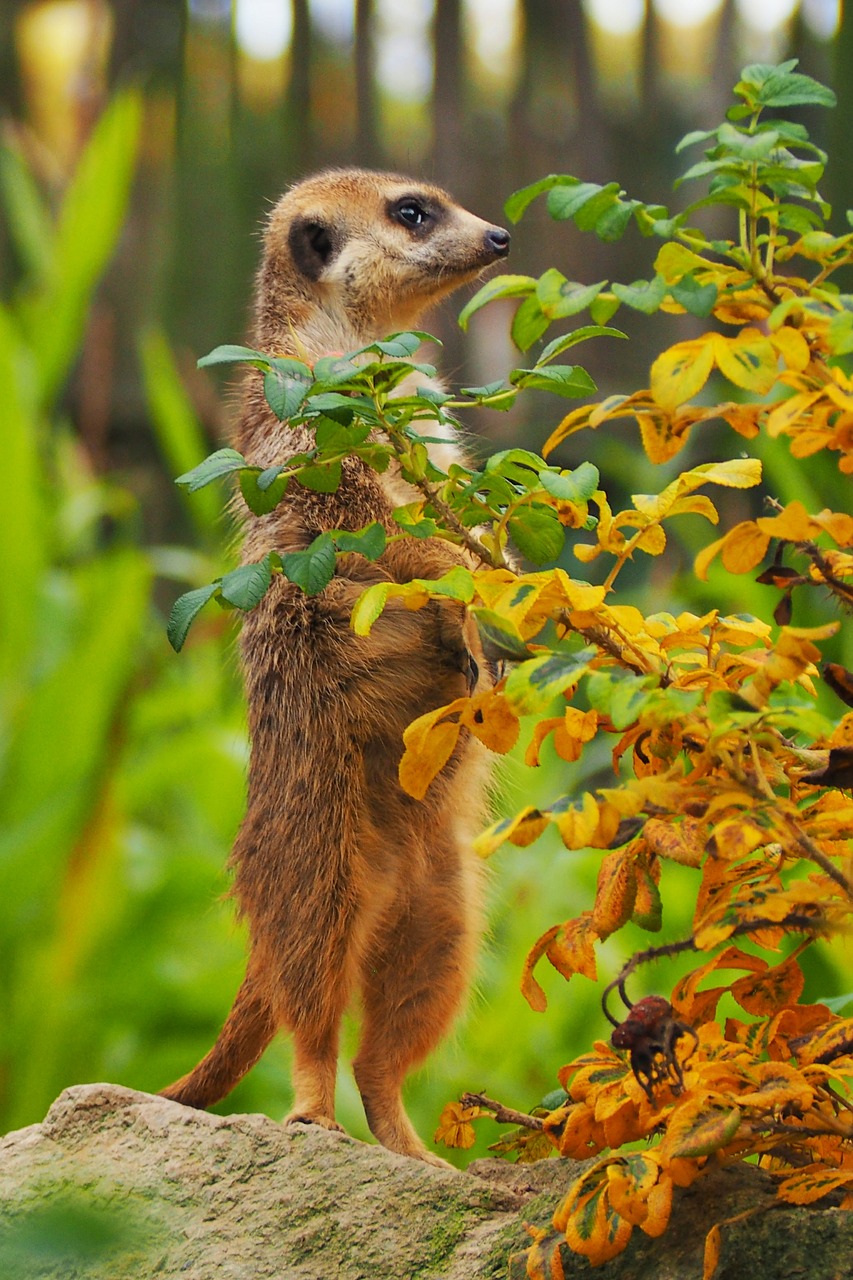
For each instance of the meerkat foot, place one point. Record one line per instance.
(304, 1116)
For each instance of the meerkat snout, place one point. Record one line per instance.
(497, 239)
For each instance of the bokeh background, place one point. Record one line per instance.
(143, 141)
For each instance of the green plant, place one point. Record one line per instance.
(721, 761)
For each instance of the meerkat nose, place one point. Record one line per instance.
(497, 240)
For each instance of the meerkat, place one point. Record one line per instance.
(351, 888)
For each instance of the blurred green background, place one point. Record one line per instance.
(143, 141)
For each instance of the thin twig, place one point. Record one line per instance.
(503, 1115)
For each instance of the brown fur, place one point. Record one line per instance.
(349, 886)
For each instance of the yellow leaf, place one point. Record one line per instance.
(748, 360)
(737, 473)
(489, 718)
(793, 523)
(573, 732)
(681, 371)
(454, 1125)
(426, 754)
(702, 563)
(577, 824)
(792, 347)
(777, 1085)
(782, 417)
(662, 437)
(838, 525)
(522, 829)
(744, 547)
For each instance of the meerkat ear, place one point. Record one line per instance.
(311, 246)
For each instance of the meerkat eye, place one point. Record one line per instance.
(410, 213)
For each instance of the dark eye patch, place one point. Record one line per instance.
(312, 246)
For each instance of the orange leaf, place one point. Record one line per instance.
(698, 1129)
(570, 950)
(530, 988)
(592, 1226)
(541, 731)
(713, 1242)
(765, 993)
(813, 1182)
(615, 894)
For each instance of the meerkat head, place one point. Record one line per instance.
(374, 250)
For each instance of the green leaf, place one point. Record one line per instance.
(184, 612)
(335, 437)
(652, 919)
(178, 431)
(611, 224)
(559, 297)
(604, 306)
(27, 215)
(568, 380)
(529, 323)
(698, 299)
(567, 201)
(263, 490)
(696, 135)
(412, 522)
(457, 583)
(218, 464)
(246, 586)
(770, 86)
(501, 638)
(621, 695)
(231, 354)
(87, 230)
(506, 286)
(331, 370)
(400, 346)
(537, 533)
(533, 685)
(313, 568)
(572, 486)
(320, 479)
(520, 200)
(284, 393)
(368, 607)
(369, 542)
(642, 295)
(559, 345)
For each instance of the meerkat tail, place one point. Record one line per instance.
(248, 1030)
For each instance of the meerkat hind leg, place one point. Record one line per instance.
(414, 981)
(315, 1066)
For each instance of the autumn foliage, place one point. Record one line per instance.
(721, 760)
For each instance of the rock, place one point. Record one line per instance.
(118, 1185)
